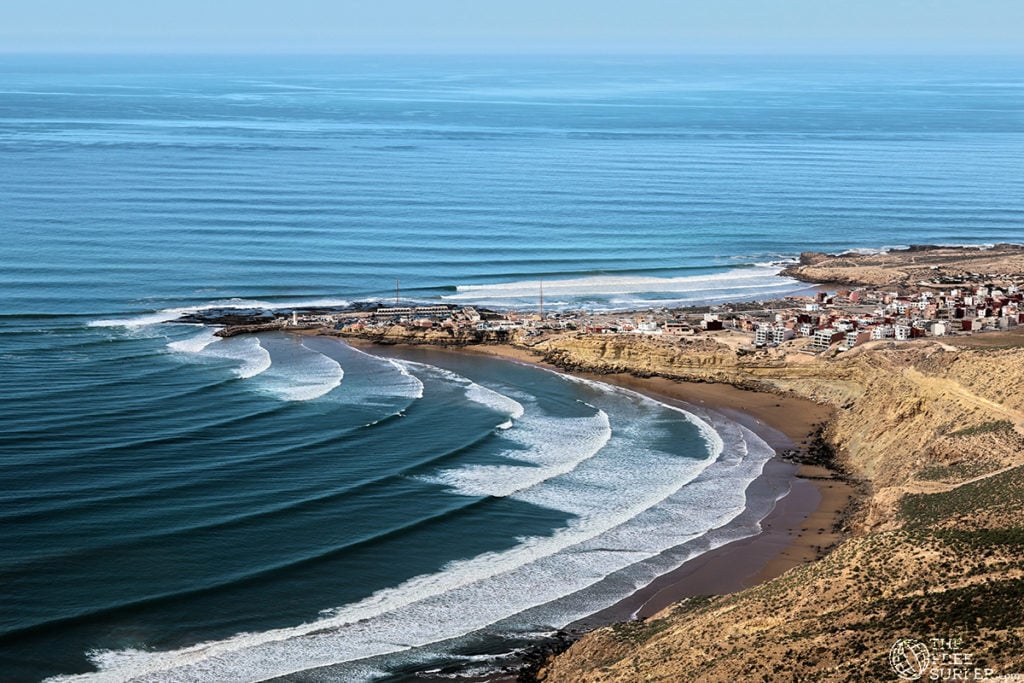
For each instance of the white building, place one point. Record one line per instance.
(823, 338)
(648, 327)
(882, 332)
(764, 334)
(781, 333)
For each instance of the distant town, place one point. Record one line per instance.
(812, 324)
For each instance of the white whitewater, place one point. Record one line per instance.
(630, 503)
(485, 396)
(759, 280)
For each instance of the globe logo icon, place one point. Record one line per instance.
(909, 658)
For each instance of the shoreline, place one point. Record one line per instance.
(798, 526)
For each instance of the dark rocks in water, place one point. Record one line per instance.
(537, 657)
(235, 330)
(261, 316)
(228, 316)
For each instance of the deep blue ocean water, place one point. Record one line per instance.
(179, 508)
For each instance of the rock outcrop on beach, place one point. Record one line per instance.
(936, 436)
(906, 268)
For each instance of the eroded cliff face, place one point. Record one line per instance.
(894, 403)
(937, 434)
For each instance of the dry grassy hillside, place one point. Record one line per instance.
(938, 436)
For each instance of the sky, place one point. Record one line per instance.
(514, 26)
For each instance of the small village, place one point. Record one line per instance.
(838, 320)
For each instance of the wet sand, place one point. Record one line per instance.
(798, 527)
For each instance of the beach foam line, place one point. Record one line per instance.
(630, 505)
(708, 429)
(413, 382)
(400, 384)
(427, 609)
(496, 401)
(298, 374)
(376, 387)
(548, 447)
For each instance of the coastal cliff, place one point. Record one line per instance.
(936, 434)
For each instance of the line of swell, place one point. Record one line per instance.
(248, 518)
(68, 389)
(420, 590)
(139, 406)
(183, 434)
(244, 578)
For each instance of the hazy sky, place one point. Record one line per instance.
(858, 26)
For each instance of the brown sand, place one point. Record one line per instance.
(799, 528)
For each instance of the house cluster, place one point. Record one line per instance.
(440, 316)
(844, 319)
(852, 318)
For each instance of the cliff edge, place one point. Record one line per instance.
(936, 433)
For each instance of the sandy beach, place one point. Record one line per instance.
(799, 527)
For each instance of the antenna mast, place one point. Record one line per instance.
(541, 299)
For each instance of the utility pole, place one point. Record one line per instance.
(396, 292)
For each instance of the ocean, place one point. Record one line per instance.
(176, 507)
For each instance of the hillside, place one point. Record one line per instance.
(937, 435)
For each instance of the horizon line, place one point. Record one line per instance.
(502, 53)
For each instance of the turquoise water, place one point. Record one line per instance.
(313, 512)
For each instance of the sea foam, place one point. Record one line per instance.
(630, 504)
(251, 358)
(546, 447)
(288, 371)
(759, 280)
(477, 393)
(298, 373)
(194, 344)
